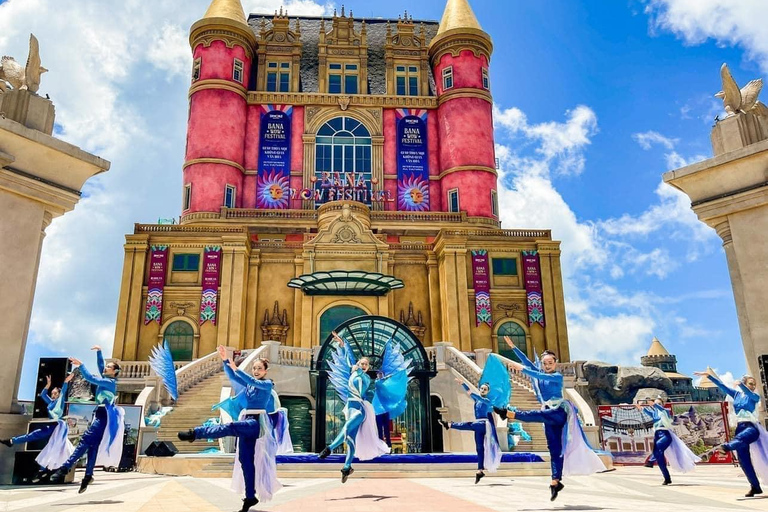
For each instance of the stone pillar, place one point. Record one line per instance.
(435, 329)
(252, 301)
(273, 350)
(481, 356)
(234, 269)
(130, 312)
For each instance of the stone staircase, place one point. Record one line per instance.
(524, 400)
(192, 409)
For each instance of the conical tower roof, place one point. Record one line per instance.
(459, 27)
(657, 349)
(228, 14)
(705, 382)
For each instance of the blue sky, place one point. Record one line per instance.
(594, 101)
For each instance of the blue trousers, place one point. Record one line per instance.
(661, 441)
(478, 427)
(35, 435)
(89, 442)
(349, 431)
(382, 426)
(247, 432)
(746, 434)
(554, 421)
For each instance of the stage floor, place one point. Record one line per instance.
(627, 489)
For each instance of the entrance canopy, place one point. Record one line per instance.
(343, 282)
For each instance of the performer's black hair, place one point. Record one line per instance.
(548, 353)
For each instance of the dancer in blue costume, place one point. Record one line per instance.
(666, 445)
(58, 449)
(495, 390)
(751, 439)
(352, 383)
(259, 428)
(569, 451)
(103, 440)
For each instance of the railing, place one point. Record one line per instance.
(294, 356)
(461, 363)
(181, 228)
(507, 233)
(138, 369)
(517, 378)
(258, 353)
(198, 370)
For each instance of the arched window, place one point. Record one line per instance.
(516, 334)
(181, 338)
(343, 161)
(334, 317)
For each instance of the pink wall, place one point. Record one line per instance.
(466, 133)
(216, 127)
(474, 191)
(208, 193)
(217, 61)
(467, 70)
(390, 141)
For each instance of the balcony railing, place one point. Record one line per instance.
(294, 356)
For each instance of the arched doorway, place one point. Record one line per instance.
(367, 336)
(517, 334)
(180, 336)
(335, 316)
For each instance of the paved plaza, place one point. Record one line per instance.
(625, 489)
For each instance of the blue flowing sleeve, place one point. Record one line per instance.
(233, 376)
(45, 396)
(100, 362)
(751, 395)
(551, 377)
(524, 359)
(97, 380)
(725, 389)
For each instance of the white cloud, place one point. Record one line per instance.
(649, 138)
(728, 22)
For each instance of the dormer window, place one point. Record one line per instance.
(237, 72)
(448, 78)
(278, 77)
(343, 78)
(407, 80)
(196, 69)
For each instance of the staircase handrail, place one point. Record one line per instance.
(517, 377)
(456, 359)
(197, 370)
(294, 356)
(258, 353)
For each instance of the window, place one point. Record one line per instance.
(229, 196)
(196, 69)
(342, 78)
(494, 203)
(448, 78)
(181, 340)
(343, 145)
(187, 196)
(407, 80)
(453, 200)
(504, 266)
(517, 334)
(486, 80)
(237, 73)
(278, 76)
(186, 262)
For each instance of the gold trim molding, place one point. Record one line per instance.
(213, 161)
(332, 100)
(464, 168)
(456, 40)
(465, 92)
(216, 83)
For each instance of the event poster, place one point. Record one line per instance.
(211, 266)
(532, 279)
(412, 160)
(627, 433)
(482, 286)
(158, 263)
(274, 173)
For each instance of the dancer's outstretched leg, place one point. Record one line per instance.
(478, 427)
(554, 421)
(661, 442)
(746, 434)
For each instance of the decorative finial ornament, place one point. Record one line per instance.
(26, 78)
(742, 100)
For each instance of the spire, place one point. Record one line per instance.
(705, 382)
(458, 15)
(227, 9)
(657, 349)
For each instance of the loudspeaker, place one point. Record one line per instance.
(25, 468)
(161, 449)
(57, 368)
(38, 425)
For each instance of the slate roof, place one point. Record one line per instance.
(377, 38)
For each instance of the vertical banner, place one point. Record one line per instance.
(482, 285)
(532, 276)
(211, 265)
(158, 262)
(274, 174)
(412, 160)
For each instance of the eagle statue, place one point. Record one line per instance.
(741, 100)
(22, 78)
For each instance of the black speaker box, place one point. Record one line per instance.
(25, 468)
(37, 425)
(57, 368)
(161, 449)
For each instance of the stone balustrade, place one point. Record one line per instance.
(138, 369)
(295, 356)
(457, 360)
(198, 370)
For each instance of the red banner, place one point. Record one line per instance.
(482, 285)
(211, 265)
(532, 279)
(158, 263)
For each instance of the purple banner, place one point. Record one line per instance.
(274, 175)
(532, 277)
(412, 160)
(211, 265)
(158, 262)
(482, 286)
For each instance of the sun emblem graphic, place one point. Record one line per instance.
(272, 190)
(413, 194)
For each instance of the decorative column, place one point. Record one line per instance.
(129, 307)
(234, 274)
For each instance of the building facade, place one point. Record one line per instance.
(339, 168)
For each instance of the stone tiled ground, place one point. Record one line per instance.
(626, 489)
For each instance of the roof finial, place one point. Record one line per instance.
(342, 10)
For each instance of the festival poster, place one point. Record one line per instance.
(482, 286)
(158, 263)
(211, 266)
(274, 173)
(412, 160)
(532, 277)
